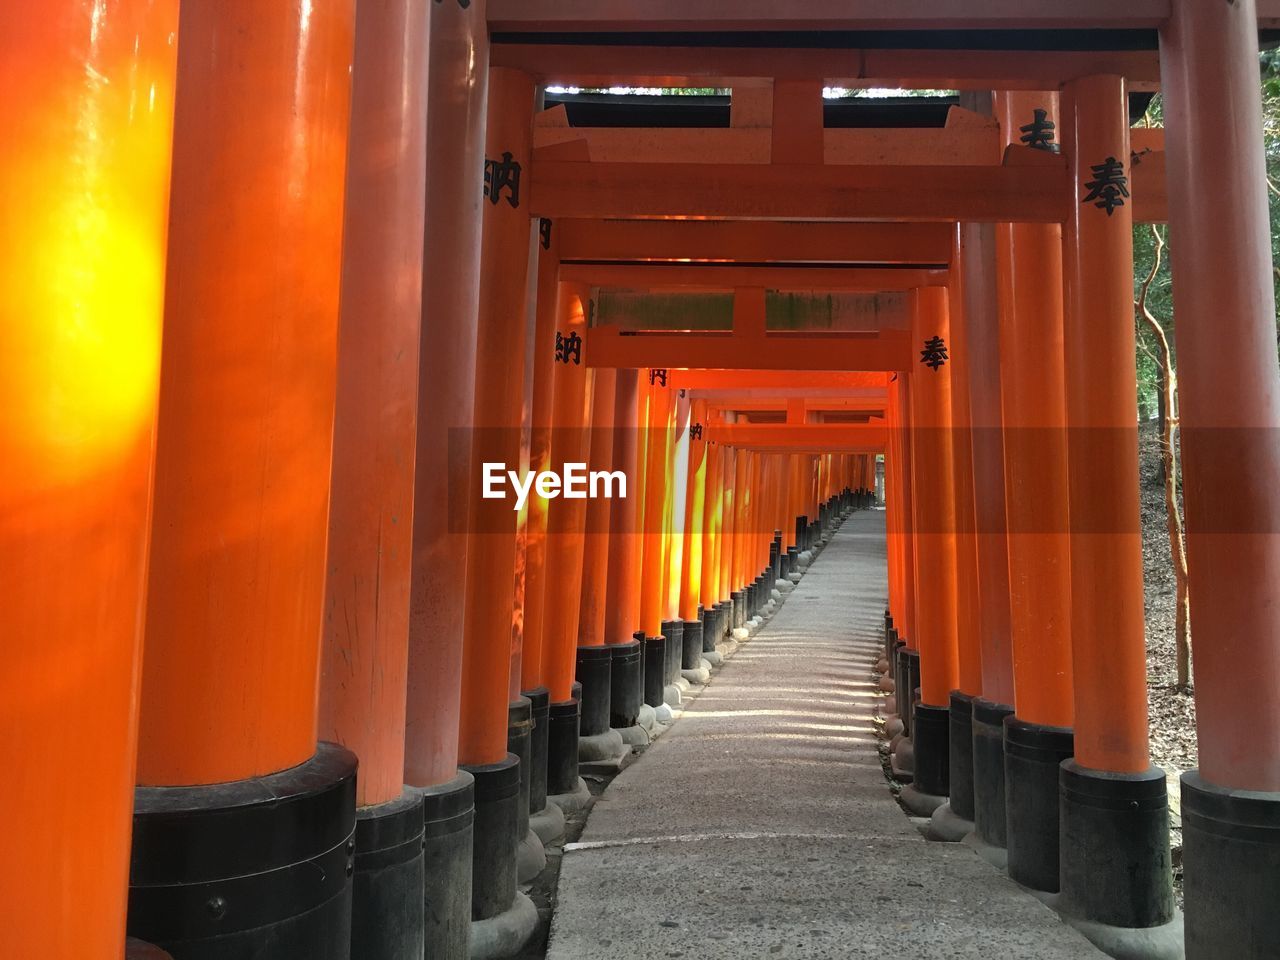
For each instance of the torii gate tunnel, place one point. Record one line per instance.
(298, 300)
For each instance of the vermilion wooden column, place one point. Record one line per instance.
(490, 577)
(1229, 393)
(695, 537)
(595, 562)
(622, 617)
(242, 482)
(366, 606)
(459, 75)
(968, 597)
(1038, 737)
(933, 498)
(1111, 771)
(83, 216)
(652, 600)
(566, 518)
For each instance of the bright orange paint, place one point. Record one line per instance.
(459, 78)
(653, 524)
(499, 362)
(595, 559)
(622, 594)
(1227, 385)
(247, 386)
(1102, 410)
(566, 519)
(87, 112)
(366, 607)
(933, 497)
(968, 596)
(1029, 268)
(694, 516)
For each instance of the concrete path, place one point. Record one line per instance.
(761, 825)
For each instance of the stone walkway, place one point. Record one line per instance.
(761, 825)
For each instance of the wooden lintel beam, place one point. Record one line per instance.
(811, 403)
(1033, 193)
(663, 276)
(685, 66)
(784, 382)
(754, 241)
(610, 347)
(957, 146)
(769, 15)
(800, 436)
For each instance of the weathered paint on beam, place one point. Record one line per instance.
(604, 66)
(610, 347)
(754, 242)
(1035, 193)
(662, 276)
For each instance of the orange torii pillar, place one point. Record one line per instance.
(458, 89)
(1230, 414)
(81, 305)
(906, 664)
(713, 630)
(724, 548)
(546, 820)
(597, 658)
(898, 542)
(499, 912)
(227, 752)
(674, 469)
(954, 820)
(566, 522)
(1033, 400)
(695, 544)
(366, 606)
(933, 496)
(652, 526)
(742, 496)
(1115, 864)
(986, 443)
(622, 593)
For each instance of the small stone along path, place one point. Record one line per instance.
(760, 825)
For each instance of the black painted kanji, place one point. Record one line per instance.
(934, 354)
(657, 376)
(544, 232)
(1039, 133)
(695, 431)
(502, 175)
(1109, 187)
(569, 349)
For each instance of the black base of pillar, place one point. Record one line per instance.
(655, 670)
(594, 672)
(1114, 841)
(540, 705)
(626, 684)
(251, 868)
(562, 748)
(387, 909)
(1032, 753)
(692, 633)
(931, 738)
(448, 816)
(673, 630)
(906, 685)
(988, 772)
(962, 755)
(709, 630)
(739, 600)
(494, 842)
(520, 744)
(1231, 860)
